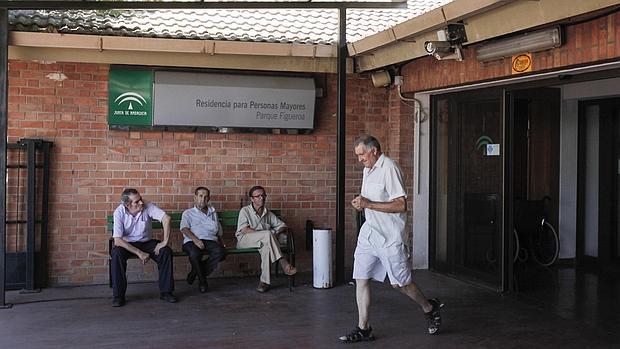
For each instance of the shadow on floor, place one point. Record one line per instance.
(233, 315)
(587, 294)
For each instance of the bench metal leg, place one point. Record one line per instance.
(291, 258)
(110, 246)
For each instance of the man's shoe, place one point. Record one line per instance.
(262, 287)
(118, 301)
(191, 276)
(358, 335)
(168, 297)
(203, 287)
(434, 316)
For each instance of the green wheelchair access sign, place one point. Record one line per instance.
(130, 98)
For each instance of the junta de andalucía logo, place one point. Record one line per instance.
(129, 98)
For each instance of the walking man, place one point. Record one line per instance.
(381, 244)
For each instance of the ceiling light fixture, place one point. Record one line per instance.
(526, 43)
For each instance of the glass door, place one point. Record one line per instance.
(468, 181)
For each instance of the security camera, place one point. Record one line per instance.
(443, 50)
(432, 47)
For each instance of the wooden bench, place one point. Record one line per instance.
(228, 219)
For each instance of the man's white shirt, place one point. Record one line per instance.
(135, 228)
(383, 183)
(205, 225)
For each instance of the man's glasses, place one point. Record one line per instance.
(259, 196)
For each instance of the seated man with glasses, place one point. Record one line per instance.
(260, 228)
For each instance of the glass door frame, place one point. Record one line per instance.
(606, 237)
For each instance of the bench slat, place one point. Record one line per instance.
(229, 250)
(228, 214)
(229, 222)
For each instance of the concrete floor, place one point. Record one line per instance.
(233, 315)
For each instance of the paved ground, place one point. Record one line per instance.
(233, 315)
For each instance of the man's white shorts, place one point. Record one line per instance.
(374, 263)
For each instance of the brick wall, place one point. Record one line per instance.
(591, 41)
(379, 112)
(66, 103)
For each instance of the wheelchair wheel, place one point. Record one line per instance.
(516, 247)
(546, 245)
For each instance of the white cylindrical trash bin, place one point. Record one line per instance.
(322, 258)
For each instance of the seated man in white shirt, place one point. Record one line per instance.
(132, 235)
(202, 234)
(260, 228)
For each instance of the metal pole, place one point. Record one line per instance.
(341, 128)
(31, 205)
(45, 212)
(4, 85)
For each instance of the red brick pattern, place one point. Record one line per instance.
(66, 103)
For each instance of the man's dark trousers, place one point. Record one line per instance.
(214, 250)
(119, 266)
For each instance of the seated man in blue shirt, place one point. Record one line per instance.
(132, 235)
(202, 234)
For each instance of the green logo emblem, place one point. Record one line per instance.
(483, 141)
(130, 98)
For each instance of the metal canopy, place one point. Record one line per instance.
(103, 5)
(342, 6)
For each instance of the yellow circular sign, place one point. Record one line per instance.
(522, 63)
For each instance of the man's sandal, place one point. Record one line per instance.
(358, 335)
(434, 316)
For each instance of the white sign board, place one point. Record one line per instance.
(492, 149)
(230, 100)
